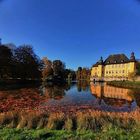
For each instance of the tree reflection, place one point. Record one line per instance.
(82, 85)
(136, 95)
(54, 91)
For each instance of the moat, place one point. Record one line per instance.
(70, 98)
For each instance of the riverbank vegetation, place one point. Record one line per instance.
(125, 84)
(55, 71)
(86, 124)
(19, 63)
(83, 74)
(108, 132)
(22, 64)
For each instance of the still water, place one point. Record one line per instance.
(69, 98)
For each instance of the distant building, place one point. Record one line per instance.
(115, 67)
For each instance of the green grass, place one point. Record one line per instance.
(125, 84)
(107, 132)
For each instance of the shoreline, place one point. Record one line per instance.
(90, 125)
(18, 83)
(124, 84)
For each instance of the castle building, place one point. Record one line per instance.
(115, 67)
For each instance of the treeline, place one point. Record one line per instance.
(19, 63)
(83, 73)
(22, 63)
(56, 71)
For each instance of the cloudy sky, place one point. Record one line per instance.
(76, 31)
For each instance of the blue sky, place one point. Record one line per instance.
(76, 31)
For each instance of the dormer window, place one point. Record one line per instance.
(108, 62)
(115, 61)
(122, 60)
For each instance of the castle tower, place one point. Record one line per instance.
(132, 57)
(132, 63)
(100, 66)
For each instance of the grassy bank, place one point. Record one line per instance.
(107, 132)
(125, 84)
(96, 125)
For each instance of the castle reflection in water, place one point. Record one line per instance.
(73, 95)
(113, 98)
(110, 92)
(101, 96)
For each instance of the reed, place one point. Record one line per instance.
(81, 120)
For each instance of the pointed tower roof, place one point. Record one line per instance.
(101, 61)
(132, 57)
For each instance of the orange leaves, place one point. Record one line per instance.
(27, 99)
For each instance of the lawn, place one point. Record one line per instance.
(107, 132)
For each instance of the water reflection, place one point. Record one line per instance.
(39, 107)
(82, 85)
(69, 97)
(110, 92)
(51, 91)
(93, 96)
(113, 98)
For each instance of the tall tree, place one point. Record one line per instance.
(58, 69)
(28, 64)
(47, 71)
(53, 70)
(78, 73)
(83, 73)
(70, 74)
(5, 62)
